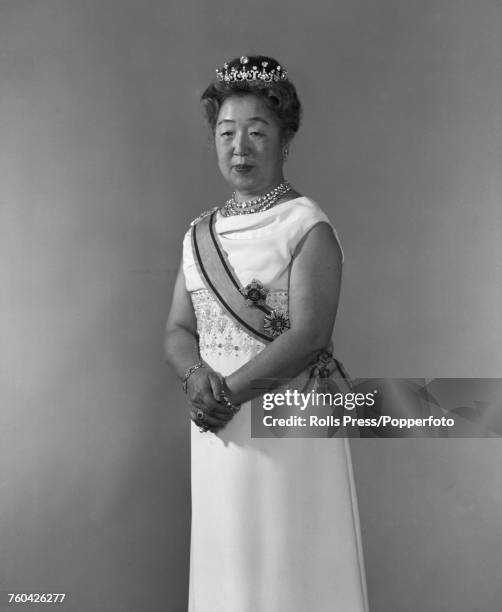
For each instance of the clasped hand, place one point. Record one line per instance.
(204, 392)
(204, 389)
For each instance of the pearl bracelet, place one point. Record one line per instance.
(189, 371)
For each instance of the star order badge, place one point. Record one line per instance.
(276, 322)
(254, 293)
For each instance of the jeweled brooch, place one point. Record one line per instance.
(254, 293)
(276, 322)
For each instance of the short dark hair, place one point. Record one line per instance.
(279, 96)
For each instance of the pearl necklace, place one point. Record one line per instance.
(247, 207)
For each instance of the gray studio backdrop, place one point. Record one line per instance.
(104, 159)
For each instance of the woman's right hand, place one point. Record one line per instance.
(204, 392)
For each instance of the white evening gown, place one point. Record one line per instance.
(275, 525)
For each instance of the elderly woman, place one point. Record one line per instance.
(274, 521)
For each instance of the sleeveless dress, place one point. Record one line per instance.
(275, 524)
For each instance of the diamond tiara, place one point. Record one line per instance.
(262, 74)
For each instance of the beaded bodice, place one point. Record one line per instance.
(219, 334)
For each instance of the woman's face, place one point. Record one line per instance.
(249, 145)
